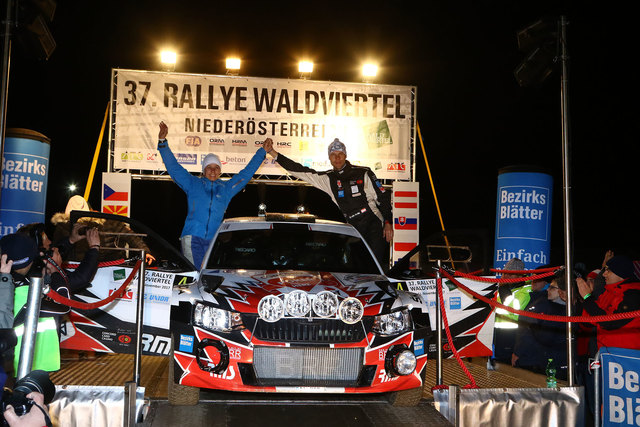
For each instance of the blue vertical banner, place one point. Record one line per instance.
(620, 386)
(25, 172)
(523, 217)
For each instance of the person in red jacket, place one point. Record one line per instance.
(620, 294)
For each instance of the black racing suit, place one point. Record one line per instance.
(363, 201)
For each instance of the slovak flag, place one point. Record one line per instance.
(404, 223)
(115, 196)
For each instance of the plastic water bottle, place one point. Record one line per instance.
(551, 375)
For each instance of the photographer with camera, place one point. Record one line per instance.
(34, 389)
(46, 352)
(31, 418)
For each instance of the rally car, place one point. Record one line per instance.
(293, 304)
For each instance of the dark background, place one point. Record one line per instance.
(474, 117)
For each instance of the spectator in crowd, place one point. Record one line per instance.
(537, 301)
(620, 294)
(207, 196)
(113, 234)
(46, 352)
(540, 340)
(19, 253)
(361, 198)
(514, 295)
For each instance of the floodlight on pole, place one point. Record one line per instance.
(369, 72)
(305, 68)
(233, 66)
(168, 59)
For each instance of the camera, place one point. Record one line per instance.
(34, 381)
(8, 340)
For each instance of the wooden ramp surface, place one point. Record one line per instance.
(117, 369)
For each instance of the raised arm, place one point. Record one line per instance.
(178, 173)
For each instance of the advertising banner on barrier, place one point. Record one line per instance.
(470, 321)
(112, 328)
(620, 386)
(232, 116)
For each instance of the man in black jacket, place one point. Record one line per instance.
(363, 200)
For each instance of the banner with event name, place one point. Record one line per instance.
(470, 321)
(231, 116)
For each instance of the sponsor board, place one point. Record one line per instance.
(113, 327)
(470, 321)
(620, 386)
(301, 116)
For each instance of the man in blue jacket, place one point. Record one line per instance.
(207, 197)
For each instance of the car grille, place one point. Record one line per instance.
(307, 366)
(317, 331)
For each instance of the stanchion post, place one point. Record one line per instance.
(566, 189)
(129, 417)
(596, 390)
(30, 327)
(439, 380)
(139, 318)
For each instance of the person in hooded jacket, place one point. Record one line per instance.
(207, 196)
(620, 294)
(540, 340)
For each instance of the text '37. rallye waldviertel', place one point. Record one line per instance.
(288, 303)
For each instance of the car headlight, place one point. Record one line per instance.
(297, 303)
(271, 308)
(325, 304)
(392, 323)
(216, 319)
(351, 310)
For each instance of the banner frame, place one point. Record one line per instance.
(144, 174)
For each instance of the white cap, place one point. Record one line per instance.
(211, 159)
(76, 203)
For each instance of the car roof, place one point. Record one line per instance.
(260, 222)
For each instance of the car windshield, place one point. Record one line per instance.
(291, 248)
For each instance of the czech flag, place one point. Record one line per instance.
(112, 195)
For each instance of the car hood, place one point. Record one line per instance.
(242, 290)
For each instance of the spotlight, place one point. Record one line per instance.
(369, 72)
(168, 59)
(305, 68)
(233, 66)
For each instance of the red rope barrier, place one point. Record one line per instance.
(503, 280)
(552, 318)
(540, 270)
(74, 265)
(472, 383)
(89, 306)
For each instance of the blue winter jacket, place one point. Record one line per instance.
(208, 200)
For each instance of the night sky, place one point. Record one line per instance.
(474, 117)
